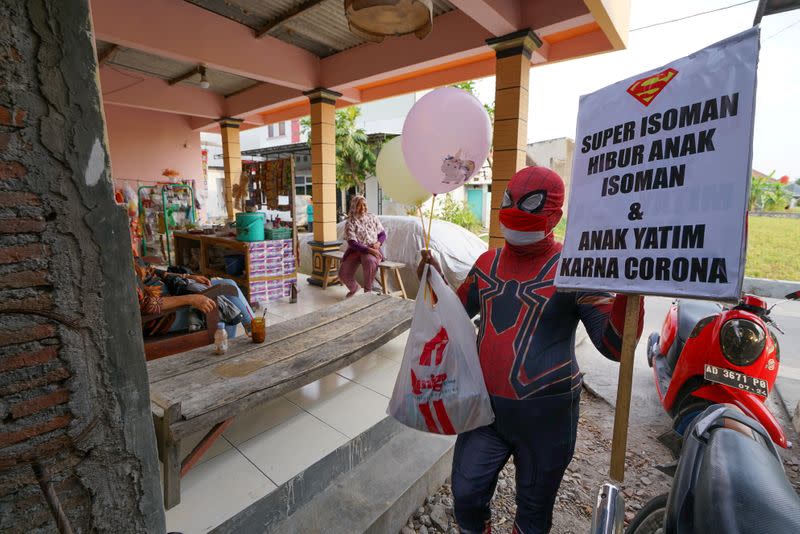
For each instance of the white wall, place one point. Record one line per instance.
(557, 155)
(215, 203)
(386, 116)
(371, 187)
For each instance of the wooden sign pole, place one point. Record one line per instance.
(619, 443)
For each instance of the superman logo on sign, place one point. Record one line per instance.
(647, 89)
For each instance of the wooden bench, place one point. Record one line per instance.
(197, 390)
(331, 261)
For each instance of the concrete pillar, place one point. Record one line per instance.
(77, 447)
(323, 177)
(231, 158)
(512, 72)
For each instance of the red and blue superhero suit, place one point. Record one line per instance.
(526, 345)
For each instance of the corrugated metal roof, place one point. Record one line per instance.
(221, 82)
(252, 13)
(322, 29)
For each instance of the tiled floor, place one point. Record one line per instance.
(271, 443)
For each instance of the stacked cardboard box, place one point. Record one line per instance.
(272, 270)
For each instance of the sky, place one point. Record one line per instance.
(555, 89)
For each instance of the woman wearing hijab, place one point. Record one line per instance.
(364, 234)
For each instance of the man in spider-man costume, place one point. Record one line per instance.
(526, 345)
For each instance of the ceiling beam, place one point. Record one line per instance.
(455, 36)
(482, 67)
(351, 95)
(283, 17)
(257, 99)
(136, 90)
(588, 44)
(186, 32)
(457, 39)
(185, 76)
(106, 54)
(500, 17)
(613, 16)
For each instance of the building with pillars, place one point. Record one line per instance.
(166, 71)
(306, 62)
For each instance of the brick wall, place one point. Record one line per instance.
(33, 392)
(74, 414)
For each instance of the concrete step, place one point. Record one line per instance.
(379, 494)
(370, 484)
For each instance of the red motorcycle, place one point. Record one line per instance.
(708, 354)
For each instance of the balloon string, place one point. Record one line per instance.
(424, 234)
(430, 223)
(428, 244)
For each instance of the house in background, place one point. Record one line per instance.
(557, 155)
(794, 190)
(380, 119)
(281, 133)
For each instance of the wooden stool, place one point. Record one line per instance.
(393, 266)
(331, 261)
(330, 267)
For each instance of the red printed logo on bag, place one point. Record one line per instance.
(432, 354)
(434, 348)
(435, 383)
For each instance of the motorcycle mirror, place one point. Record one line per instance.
(794, 295)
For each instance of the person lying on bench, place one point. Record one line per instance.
(364, 234)
(153, 289)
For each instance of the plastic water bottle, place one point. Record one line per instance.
(221, 339)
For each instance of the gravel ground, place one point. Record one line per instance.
(584, 477)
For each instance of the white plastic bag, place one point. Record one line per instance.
(440, 388)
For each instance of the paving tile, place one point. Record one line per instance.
(188, 443)
(394, 348)
(260, 419)
(345, 405)
(287, 449)
(373, 372)
(216, 490)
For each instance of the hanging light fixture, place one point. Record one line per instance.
(204, 83)
(375, 19)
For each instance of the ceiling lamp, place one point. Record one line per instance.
(375, 19)
(204, 83)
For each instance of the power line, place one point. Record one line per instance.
(795, 23)
(692, 16)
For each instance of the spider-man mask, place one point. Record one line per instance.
(531, 206)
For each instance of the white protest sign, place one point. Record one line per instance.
(661, 178)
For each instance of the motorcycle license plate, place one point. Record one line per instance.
(736, 380)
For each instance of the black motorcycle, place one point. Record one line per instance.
(729, 479)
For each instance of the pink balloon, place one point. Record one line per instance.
(446, 139)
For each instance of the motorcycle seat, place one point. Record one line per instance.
(690, 312)
(742, 489)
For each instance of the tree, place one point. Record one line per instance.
(469, 86)
(355, 158)
(767, 194)
(459, 213)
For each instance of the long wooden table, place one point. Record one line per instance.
(196, 390)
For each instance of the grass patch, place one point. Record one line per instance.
(773, 248)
